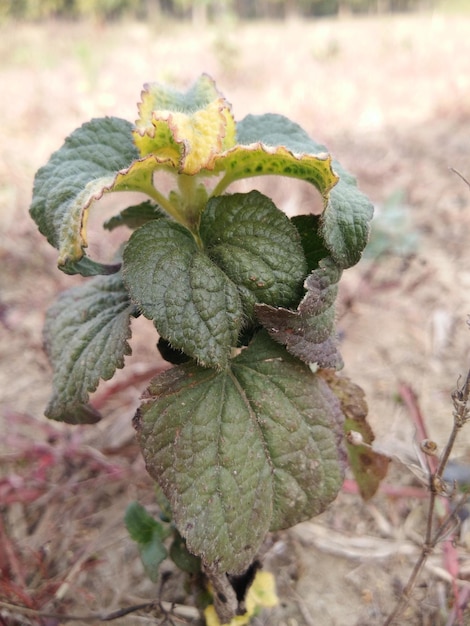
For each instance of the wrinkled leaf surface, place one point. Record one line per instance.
(193, 304)
(309, 332)
(86, 338)
(243, 451)
(256, 246)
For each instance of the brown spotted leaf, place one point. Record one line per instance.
(369, 467)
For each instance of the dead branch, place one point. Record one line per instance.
(438, 487)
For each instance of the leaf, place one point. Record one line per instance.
(149, 534)
(345, 222)
(85, 335)
(141, 525)
(182, 558)
(135, 216)
(152, 554)
(86, 267)
(186, 130)
(369, 467)
(241, 451)
(192, 302)
(259, 160)
(86, 167)
(257, 247)
(168, 353)
(312, 243)
(308, 332)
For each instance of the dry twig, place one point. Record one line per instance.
(438, 487)
(180, 613)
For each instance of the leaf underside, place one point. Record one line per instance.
(309, 332)
(243, 451)
(86, 338)
(135, 216)
(80, 172)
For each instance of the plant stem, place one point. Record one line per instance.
(437, 487)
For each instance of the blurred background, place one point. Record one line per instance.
(385, 84)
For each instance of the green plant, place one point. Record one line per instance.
(244, 434)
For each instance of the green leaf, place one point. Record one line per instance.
(152, 554)
(182, 558)
(312, 243)
(80, 172)
(149, 534)
(277, 130)
(135, 216)
(345, 222)
(309, 332)
(141, 525)
(193, 304)
(85, 335)
(86, 267)
(242, 451)
(257, 247)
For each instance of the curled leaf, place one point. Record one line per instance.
(345, 221)
(308, 332)
(369, 467)
(86, 167)
(186, 130)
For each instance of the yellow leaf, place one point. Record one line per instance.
(188, 130)
(258, 160)
(261, 594)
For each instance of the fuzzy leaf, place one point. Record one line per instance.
(345, 222)
(192, 302)
(308, 332)
(135, 216)
(258, 160)
(256, 246)
(85, 335)
(369, 467)
(86, 167)
(242, 451)
(186, 130)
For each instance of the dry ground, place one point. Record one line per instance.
(391, 99)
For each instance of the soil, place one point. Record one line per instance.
(390, 98)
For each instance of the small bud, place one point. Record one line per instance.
(354, 438)
(428, 447)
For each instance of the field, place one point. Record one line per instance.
(390, 97)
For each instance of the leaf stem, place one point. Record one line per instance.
(164, 202)
(221, 186)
